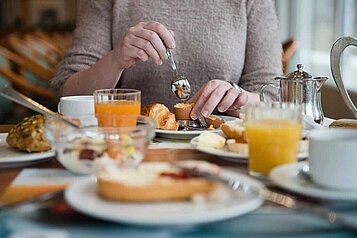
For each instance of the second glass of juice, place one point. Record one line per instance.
(117, 107)
(273, 132)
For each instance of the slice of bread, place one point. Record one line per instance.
(154, 181)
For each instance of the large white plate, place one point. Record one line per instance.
(232, 156)
(287, 176)
(186, 135)
(10, 156)
(82, 196)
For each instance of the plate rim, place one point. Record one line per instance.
(224, 214)
(26, 157)
(229, 155)
(313, 190)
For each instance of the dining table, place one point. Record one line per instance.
(55, 218)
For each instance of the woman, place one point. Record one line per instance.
(122, 43)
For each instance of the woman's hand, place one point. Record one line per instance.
(220, 94)
(143, 41)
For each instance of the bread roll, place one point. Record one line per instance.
(29, 135)
(344, 123)
(153, 181)
(235, 130)
(162, 116)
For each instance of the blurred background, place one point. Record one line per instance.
(34, 35)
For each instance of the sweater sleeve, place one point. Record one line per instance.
(263, 48)
(91, 40)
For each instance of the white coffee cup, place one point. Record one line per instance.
(76, 105)
(333, 158)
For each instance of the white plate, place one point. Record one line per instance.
(10, 156)
(232, 156)
(286, 176)
(187, 135)
(82, 196)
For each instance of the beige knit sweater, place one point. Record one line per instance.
(235, 40)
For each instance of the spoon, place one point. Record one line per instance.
(13, 95)
(179, 83)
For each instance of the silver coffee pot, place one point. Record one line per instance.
(338, 47)
(300, 87)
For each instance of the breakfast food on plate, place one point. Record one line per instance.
(162, 116)
(344, 123)
(29, 135)
(240, 148)
(210, 139)
(214, 121)
(182, 111)
(235, 130)
(154, 181)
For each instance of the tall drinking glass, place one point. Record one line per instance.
(273, 132)
(120, 104)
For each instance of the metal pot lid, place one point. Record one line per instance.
(299, 74)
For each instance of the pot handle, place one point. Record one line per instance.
(335, 56)
(263, 88)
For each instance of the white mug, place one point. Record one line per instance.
(76, 105)
(333, 158)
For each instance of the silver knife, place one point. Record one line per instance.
(281, 199)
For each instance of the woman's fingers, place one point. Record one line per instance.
(228, 100)
(163, 32)
(148, 47)
(150, 40)
(220, 94)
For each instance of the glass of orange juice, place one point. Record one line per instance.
(117, 107)
(273, 132)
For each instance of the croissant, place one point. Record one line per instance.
(164, 119)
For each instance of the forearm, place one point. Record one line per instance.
(104, 74)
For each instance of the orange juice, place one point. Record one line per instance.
(117, 113)
(272, 142)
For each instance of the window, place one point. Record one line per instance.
(316, 25)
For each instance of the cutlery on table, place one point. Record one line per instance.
(284, 200)
(13, 95)
(179, 83)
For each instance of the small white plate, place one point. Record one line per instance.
(82, 195)
(287, 176)
(187, 135)
(232, 156)
(11, 157)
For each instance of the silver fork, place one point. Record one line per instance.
(281, 199)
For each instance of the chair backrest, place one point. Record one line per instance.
(289, 48)
(34, 53)
(15, 68)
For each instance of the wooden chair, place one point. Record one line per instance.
(15, 68)
(28, 50)
(289, 48)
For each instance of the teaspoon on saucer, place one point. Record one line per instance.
(179, 83)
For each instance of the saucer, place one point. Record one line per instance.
(287, 177)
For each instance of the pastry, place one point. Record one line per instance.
(154, 181)
(162, 116)
(344, 123)
(235, 130)
(29, 135)
(240, 148)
